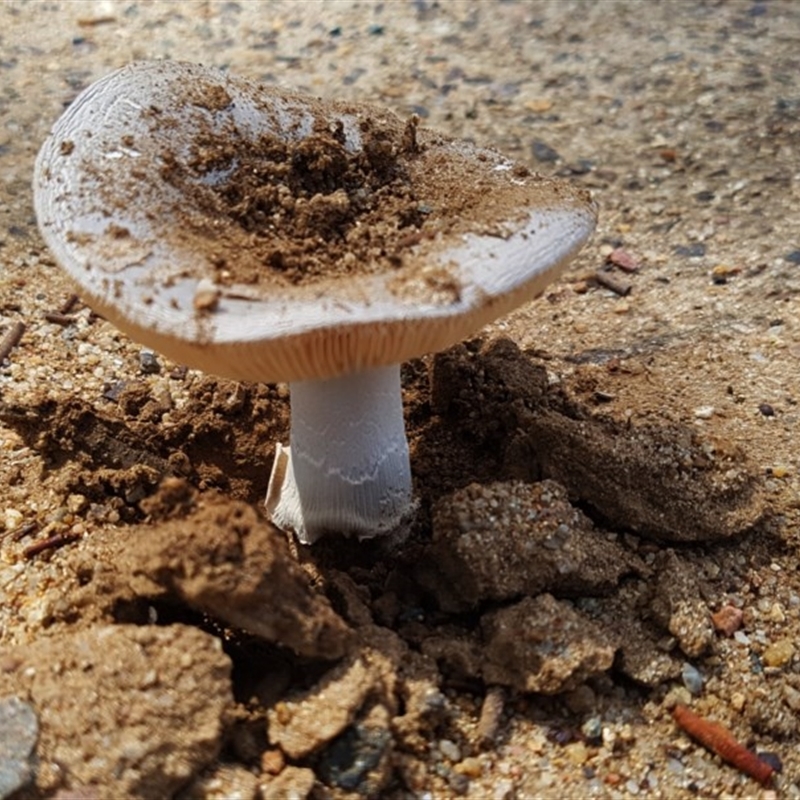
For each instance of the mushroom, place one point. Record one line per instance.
(263, 235)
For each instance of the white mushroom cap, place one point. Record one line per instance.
(149, 253)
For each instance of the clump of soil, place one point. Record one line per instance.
(175, 677)
(549, 545)
(118, 447)
(229, 562)
(624, 470)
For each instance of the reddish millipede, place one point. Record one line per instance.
(721, 741)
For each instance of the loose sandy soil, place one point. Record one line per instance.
(608, 479)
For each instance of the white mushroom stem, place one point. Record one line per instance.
(347, 468)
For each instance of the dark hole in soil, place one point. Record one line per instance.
(262, 671)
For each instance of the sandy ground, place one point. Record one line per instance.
(608, 479)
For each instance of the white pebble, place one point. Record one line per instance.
(503, 790)
(450, 750)
(12, 518)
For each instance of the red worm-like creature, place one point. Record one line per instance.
(721, 741)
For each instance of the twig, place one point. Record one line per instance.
(618, 287)
(11, 340)
(18, 534)
(59, 319)
(62, 315)
(50, 543)
(68, 304)
(721, 741)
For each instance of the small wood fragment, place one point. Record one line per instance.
(409, 139)
(68, 304)
(59, 319)
(610, 282)
(718, 739)
(178, 372)
(50, 543)
(20, 532)
(93, 22)
(11, 340)
(604, 397)
(491, 715)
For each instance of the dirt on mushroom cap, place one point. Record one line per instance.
(257, 201)
(304, 210)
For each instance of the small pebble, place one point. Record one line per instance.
(632, 787)
(76, 503)
(721, 273)
(613, 779)
(728, 619)
(776, 613)
(766, 409)
(778, 654)
(694, 250)
(458, 783)
(450, 750)
(704, 412)
(543, 152)
(539, 105)
(19, 730)
(675, 766)
(627, 735)
(12, 518)
(581, 700)
(149, 363)
(206, 297)
(793, 257)
(470, 766)
(491, 715)
(576, 753)
(623, 259)
(609, 737)
(791, 697)
(272, 761)
(503, 790)
(692, 679)
(592, 729)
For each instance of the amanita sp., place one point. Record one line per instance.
(266, 236)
